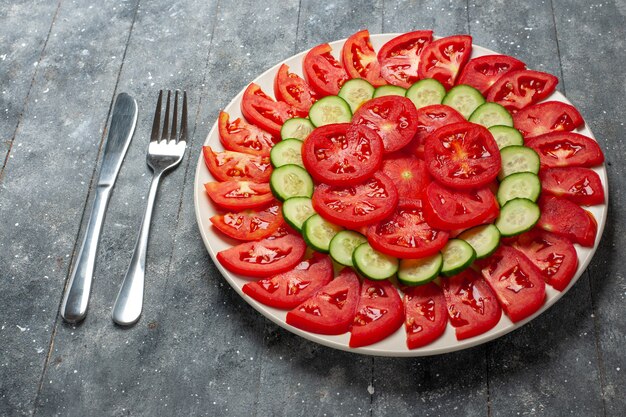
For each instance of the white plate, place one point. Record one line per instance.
(394, 345)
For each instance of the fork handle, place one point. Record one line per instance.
(129, 302)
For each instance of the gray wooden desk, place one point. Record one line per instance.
(199, 349)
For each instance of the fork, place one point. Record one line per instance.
(165, 151)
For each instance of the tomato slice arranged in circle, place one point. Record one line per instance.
(462, 155)
(429, 119)
(518, 89)
(266, 113)
(228, 165)
(567, 219)
(483, 72)
(444, 58)
(394, 118)
(331, 310)
(240, 136)
(290, 88)
(580, 185)
(406, 234)
(408, 173)
(239, 195)
(289, 289)
(425, 314)
(566, 149)
(342, 154)
(399, 58)
(249, 224)
(378, 314)
(359, 59)
(546, 117)
(322, 71)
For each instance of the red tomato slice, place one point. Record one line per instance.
(260, 109)
(293, 90)
(342, 154)
(444, 58)
(265, 257)
(240, 136)
(566, 149)
(394, 118)
(323, 72)
(567, 219)
(580, 185)
(462, 155)
(359, 59)
(289, 289)
(517, 282)
(331, 310)
(429, 119)
(408, 173)
(228, 165)
(406, 234)
(449, 209)
(518, 89)
(378, 314)
(546, 117)
(250, 224)
(482, 72)
(555, 256)
(399, 58)
(239, 195)
(425, 314)
(472, 304)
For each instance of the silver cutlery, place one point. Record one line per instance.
(165, 151)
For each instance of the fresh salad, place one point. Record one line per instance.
(410, 186)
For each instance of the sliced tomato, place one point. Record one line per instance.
(555, 256)
(394, 118)
(406, 234)
(250, 224)
(567, 219)
(429, 119)
(408, 173)
(264, 258)
(449, 209)
(425, 314)
(546, 117)
(359, 59)
(462, 155)
(290, 88)
(472, 304)
(241, 136)
(517, 89)
(358, 205)
(378, 314)
(289, 289)
(239, 195)
(580, 185)
(399, 58)
(228, 165)
(517, 282)
(266, 113)
(483, 72)
(566, 149)
(322, 71)
(444, 58)
(331, 310)
(342, 154)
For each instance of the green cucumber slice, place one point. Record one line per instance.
(373, 264)
(519, 185)
(318, 233)
(458, 255)
(484, 239)
(296, 128)
(296, 210)
(286, 152)
(464, 99)
(343, 245)
(356, 92)
(518, 159)
(291, 181)
(389, 90)
(517, 216)
(491, 114)
(328, 110)
(426, 92)
(420, 271)
(506, 136)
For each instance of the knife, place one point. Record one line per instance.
(123, 121)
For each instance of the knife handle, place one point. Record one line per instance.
(76, 298)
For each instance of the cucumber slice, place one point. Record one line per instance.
(356, 92)
(491, 114)
(296, 210)
(343, 245)
(389, 90)
(420, 271)
(517, 216)
(328, 110)
(426, 92)
(484, 239)
(506, 136)
(296, 128)
(318, 233)
(286, 152)
(519, 185)
(464, 99)
(373, 264)
(458, 255)
(291, 181)
(518, 159)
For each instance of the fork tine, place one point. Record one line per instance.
(183, 129)
(156, 125)
(174, 117)
(166, 122)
